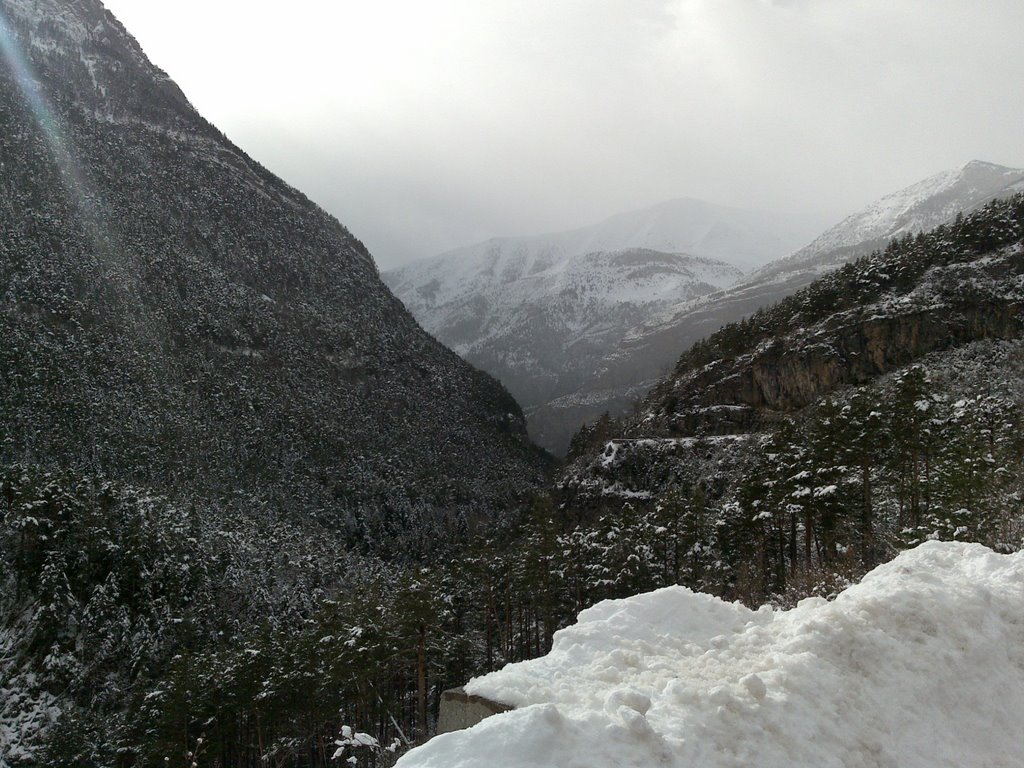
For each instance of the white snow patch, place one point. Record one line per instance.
(920, 665)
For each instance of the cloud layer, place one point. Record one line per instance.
(424, 126)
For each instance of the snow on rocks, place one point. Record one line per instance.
(919, 207)
(921, 664)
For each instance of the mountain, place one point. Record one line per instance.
(917, 208)
(191, 321)
(215, 419)
(647, 350)
(874, 409)
(540, 312)
(542, 331)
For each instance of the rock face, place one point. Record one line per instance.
(541, 313)
(176, 316)
(789, 374)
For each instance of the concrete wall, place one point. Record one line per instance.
(460, 710)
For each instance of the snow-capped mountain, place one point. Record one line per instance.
(578, 290)
(649, 349)
(917, 208)
(538, 312)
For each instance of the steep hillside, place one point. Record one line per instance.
(645, 352)
(216, 422)
(541, 312)
(875, 408)
(177, 316)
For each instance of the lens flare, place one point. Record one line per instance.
(76, 187)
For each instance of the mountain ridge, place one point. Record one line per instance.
(648, 349)
(675, 225)
(919, 207)
(498, 302)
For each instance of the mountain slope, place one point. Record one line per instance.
(191, 321)
(646, 351)
(877, 407)
(216, 422)
(917, 208)
(538, 312)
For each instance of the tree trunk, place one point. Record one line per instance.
(808, 538)
(867, 523)
(421, 681)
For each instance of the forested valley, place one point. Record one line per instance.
(152, 617)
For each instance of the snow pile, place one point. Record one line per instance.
(921, 664)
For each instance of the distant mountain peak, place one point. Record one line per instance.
(987, 166)
(919, 207)
(539, 311)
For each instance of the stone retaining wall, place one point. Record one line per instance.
(461, 710)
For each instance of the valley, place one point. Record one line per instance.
(573, 334)
(666, 489)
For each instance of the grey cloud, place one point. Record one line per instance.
(526, 116)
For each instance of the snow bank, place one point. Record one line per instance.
(921, 664)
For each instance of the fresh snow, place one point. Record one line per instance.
(917, 208)
(921, 665)
(541, 312)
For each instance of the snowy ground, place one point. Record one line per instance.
(921, 664)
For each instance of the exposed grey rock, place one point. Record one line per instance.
(461, 710)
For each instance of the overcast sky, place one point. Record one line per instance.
(429, 124)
